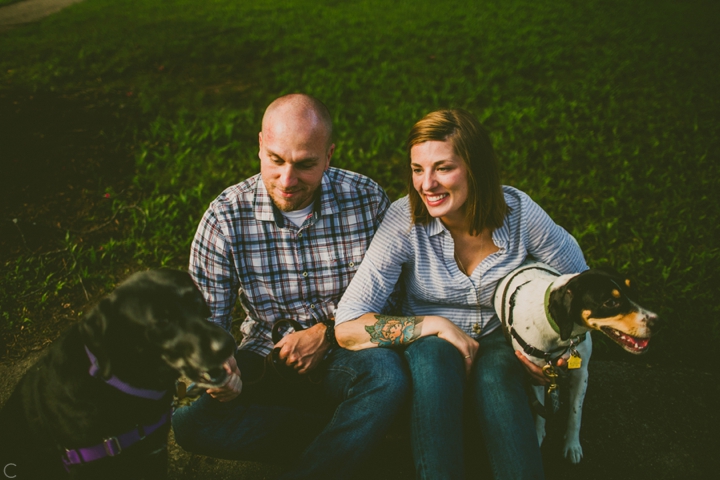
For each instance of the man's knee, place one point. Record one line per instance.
(372, 370)
(184, 430)
(191, 423)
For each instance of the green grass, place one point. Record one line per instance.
(605, 112)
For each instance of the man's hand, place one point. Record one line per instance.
(232, 386)
(536, 374)
(305, 349)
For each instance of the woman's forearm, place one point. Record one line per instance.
(376, 330)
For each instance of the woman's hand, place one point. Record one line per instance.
(537, 377)
(447, 330)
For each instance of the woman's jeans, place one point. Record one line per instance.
(493, 394)
(360, 396)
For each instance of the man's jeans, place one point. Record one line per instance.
(493, 393)
(366, 390)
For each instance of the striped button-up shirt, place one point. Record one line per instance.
(422, 256)
(245, 248)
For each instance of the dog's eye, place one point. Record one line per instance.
(611, 303)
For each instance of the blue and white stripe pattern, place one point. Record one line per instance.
(422, 256)
(244, 246)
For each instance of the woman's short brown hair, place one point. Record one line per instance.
(485, 205)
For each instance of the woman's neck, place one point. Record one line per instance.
(456, 224)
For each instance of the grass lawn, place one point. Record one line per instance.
(605, 112)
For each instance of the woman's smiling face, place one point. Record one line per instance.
(440, 178)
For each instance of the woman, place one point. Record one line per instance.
(456, 234)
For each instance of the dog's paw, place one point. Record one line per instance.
(573, 452)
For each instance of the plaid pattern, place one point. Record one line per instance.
(245, 248)
(422, 257)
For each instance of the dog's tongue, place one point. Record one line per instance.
(630, 343)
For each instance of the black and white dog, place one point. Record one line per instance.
(548, 316)
(97, 405)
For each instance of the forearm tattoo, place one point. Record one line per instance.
(391, 331)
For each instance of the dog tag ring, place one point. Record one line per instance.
(551, 375)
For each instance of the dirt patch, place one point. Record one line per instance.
(28, 11)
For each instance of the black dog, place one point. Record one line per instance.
(98, 404)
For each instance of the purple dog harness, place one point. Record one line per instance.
(113, 446)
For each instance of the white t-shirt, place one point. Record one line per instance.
(298, 217)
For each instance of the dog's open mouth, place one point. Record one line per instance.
(632, 344)
(213, 377)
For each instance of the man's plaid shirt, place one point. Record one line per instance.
(244, 246)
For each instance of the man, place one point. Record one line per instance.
(288, 242)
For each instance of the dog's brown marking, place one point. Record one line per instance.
(633, 323)
(615, 293)
(627, 282)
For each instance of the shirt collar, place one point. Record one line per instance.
(329, 204)
(266, 210)
(500, 235)
(435, 227)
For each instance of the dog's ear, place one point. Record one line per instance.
(559, 305)
(94, 330)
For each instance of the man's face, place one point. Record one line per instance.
(293, 156)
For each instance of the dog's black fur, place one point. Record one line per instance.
(150, 330)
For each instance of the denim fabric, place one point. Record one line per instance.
(495, 397)
(436, 419)
(366, 390)
(502, 410)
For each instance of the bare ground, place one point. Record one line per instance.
(640, 422)
(28, 11)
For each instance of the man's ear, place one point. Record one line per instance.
(94, 330)
(331, 150)
(559, 307)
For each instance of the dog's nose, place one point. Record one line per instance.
(651, 319)
(216, 375)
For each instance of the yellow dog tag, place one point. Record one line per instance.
(575, 361)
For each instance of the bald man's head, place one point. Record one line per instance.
(295, 150)
(301, 109)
